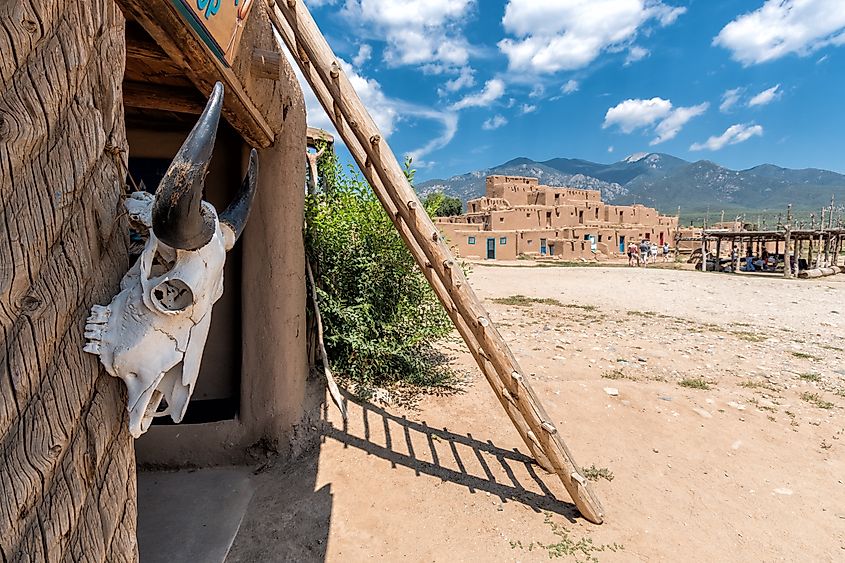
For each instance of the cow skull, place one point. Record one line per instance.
(153, 333)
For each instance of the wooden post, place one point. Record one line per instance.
(787, 263)
(379, 165)
(821, 234)
(718, 250)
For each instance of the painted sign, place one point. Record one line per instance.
(219, 23)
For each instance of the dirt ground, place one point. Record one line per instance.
(725, 442)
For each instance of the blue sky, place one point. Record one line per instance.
(468, 84)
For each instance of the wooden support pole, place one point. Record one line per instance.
(719, 250)
(787, 262)
(382, 170)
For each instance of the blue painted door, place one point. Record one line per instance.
(491, 248)
(542, 247)
(622, 244)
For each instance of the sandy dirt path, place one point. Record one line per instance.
(725, 442)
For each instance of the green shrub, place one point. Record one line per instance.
(379, 314)
(441, 205)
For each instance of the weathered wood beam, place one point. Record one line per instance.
(146, 95)
(266, 64)
(315, 135)
(164, 24)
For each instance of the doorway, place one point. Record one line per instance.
(491, 248)
(622, 244)
(542, 247)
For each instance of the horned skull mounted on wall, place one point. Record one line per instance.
(153, 333)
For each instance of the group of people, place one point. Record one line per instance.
(645, 252)
(766, 262)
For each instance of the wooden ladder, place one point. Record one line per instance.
(379, 165)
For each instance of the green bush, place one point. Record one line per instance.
(442, 205)
(380, 316)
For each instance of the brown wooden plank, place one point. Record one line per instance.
(161, 21)
(63, 437)
(146, 95)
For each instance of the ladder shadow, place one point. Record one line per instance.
(460, 459)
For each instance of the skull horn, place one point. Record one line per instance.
(237, 213)
(179, 218)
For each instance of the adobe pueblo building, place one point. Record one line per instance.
(518, 217)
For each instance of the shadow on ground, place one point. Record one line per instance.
(290, 515)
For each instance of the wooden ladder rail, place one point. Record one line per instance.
(379, 165)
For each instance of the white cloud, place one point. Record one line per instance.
(634, 114)
(386, 111)
(765, 97)
(493, 90)
(657, 114)
(783, 27)
(417, 32)
(450, 128)
(364, 53)
(636, 53)
(494, 123)
(730, 98)
(527, 108)
(556, 35)
(570, 86)
(733, 135)
(670, 127)
(610, 149)
(465, 79)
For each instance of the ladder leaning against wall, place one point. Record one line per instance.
(379, 165)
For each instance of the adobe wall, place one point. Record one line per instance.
(67, 465)
(562, 217)
(278, 400)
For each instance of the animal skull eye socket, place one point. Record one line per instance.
(173, 295)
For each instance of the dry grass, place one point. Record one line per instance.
(816, 400)
(694, 383)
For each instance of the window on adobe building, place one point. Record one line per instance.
(470, 240)
(503, 240)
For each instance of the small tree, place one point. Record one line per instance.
(443, 205)
(380, 314)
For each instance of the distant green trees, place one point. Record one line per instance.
(379, 312)
(442, 205)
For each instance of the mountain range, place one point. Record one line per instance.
(666, 182)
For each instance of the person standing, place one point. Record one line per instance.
(645, 247)
(665, 251)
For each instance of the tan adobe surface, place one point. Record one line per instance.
(518, 217)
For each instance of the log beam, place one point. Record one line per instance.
(161, 20)
(146, 95)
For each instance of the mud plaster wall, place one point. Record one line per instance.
(67, 466)
(279, 402)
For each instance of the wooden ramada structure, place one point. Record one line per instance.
(810, 252)
(95, 91)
